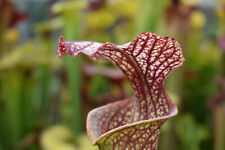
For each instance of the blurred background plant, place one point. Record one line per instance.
(44, 100)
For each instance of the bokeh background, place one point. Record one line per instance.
(44, 100)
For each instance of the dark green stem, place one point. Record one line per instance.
(72, 31)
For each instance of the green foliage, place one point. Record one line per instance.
(190, 133)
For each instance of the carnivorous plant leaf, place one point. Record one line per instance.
(133, 123)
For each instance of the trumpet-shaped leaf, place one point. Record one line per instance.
(133, 123)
